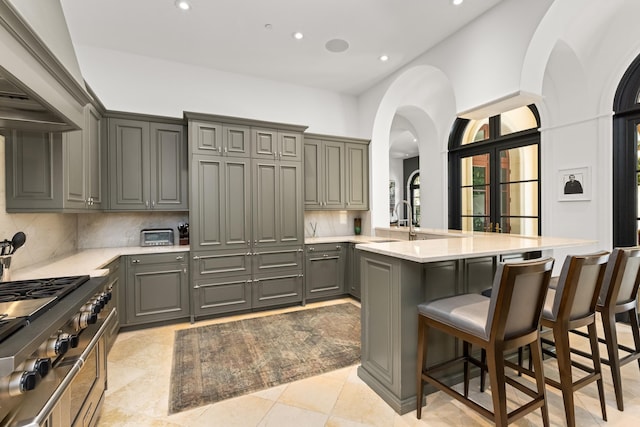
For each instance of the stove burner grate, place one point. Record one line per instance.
(40, 288)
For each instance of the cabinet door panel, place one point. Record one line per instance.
(237, 203)
(334, 175)
(75, 154)
(169, 167)
(357, 176)
(324, 274)
(290, 146)
(275, 290)
(312, 174)
(93, 144)
(265, 202)
(207, 191)
(221, 263)
(30, 165)
(214, 296)
(129, 152)
(265, 143)
(206, 138)
(267, 261)
(237, 141)
(157, 292)
(291, 213)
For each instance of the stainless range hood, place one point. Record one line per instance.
(37, 91)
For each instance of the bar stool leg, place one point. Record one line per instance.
(595, 352)
(633, 313)
(495, 366)
(561, 339)
(535, 356)
(465, 355)
(611, 338)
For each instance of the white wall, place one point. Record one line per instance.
(134, 83)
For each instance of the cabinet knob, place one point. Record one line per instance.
(338, 247)
(135, 261)
(179, 258)
(325, 255)
(311, 249)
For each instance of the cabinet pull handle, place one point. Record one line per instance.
(135, 261)
(219, 149)
(325, 255)
(338, 247)
(196, 257)
(250, 254)
(311, 249)
(179, 258)
(226, 150)
(146, 203)
(153, 203)
(184, 270)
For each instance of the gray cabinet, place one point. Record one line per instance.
(352, 281)
(336, 174)
(220, 139)
(157, 288)
(276, 144)
(277, 204)
(324, 270)
(246, 214)
(113, 283)
(147, 166)
(220, 214)
(55, 172)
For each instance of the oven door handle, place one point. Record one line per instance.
(48, 408)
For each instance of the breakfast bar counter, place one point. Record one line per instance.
(397, 276)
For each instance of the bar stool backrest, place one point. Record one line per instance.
(579, 286)
(517, 298)
(621, 278)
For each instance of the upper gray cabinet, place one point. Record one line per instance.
(217, 139)
(336, 173)
(276, 144)
(147, 166)
(55, 172)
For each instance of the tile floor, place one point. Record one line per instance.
(139, 368)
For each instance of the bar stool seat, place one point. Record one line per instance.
(506, 321)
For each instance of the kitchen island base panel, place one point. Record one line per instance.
(392, 289)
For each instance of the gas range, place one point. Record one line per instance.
(23, 301)
(51, 344)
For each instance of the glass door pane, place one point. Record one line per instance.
(519, 189)
(476, 192)
(638, 176)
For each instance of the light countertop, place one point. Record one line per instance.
(86, 262)
(442, 245)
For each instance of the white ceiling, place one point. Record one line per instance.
(230, 35)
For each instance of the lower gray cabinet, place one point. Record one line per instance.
(114, 283)
(233, 280)
(324, 270)
(157, 288)
(352, 275)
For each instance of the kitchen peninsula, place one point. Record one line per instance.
(397, 276)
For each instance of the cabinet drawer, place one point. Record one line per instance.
(269, 261)
(276, 290)
(221, 263)
(169, 257)
(326, 247)
(221, 295)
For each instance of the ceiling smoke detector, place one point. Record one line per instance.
(337, 45)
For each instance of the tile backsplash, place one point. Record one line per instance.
(116, 229)
(333, 223)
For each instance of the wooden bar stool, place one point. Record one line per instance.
(508, 320)
(572, 305)
(619, 294)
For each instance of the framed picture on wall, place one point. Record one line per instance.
(392, 196)
(574, 184)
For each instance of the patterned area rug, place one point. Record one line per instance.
(217, 362)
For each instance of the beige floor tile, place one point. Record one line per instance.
(272, 393)
(359, 403)
(282, 415)
(318, 393)
(242, 411)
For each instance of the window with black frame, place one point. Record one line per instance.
(494, 173)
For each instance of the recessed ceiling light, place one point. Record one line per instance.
(336, 45)
(457, 2)
(183, 4)
(415, 140)
(297, 35)
(384, 58)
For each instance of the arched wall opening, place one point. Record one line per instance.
(423, 95)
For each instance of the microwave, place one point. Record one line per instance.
(156, 237)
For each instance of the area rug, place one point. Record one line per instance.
(217, 362)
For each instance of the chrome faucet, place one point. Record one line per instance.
(412, 233)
